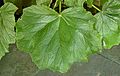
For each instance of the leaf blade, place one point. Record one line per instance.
(108, 23)
(7, 23)
(54, 40)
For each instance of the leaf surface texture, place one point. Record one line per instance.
(7, 23)
(54, 40)
(108, 23)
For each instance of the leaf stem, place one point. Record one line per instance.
(96, 8)
(59, 6)
(50, 3)
(55, 4)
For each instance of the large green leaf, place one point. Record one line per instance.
(108, 23)
(54, 40)
(7, 23)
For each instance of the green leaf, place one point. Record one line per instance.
(54, 40)
(108, 23)
(72, 3)
(43, 2)
(7, 23)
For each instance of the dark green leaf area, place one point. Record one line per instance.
(108, 23)
(54, 40)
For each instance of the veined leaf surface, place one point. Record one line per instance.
(7, 23)
(54, 40)
(108, 23)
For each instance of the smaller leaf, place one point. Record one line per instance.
(7, 23)
(108, 23)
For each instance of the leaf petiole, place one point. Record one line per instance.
(55, 4)
(50, 3)
(96, 8)
(59, 6)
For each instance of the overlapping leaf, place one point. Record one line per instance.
(108, 23)
(7, 23)
(54, 40)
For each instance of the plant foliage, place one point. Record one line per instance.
(57, 33)
(108, 23)
(7, 23)
(56, 40)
